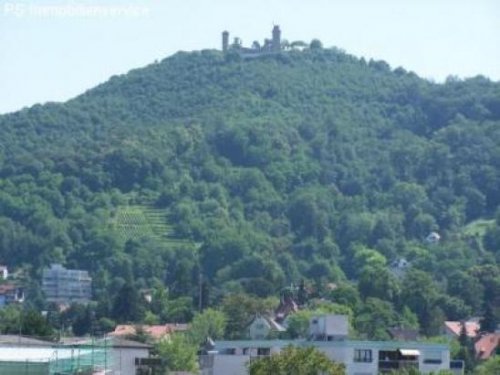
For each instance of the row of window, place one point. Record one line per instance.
(365, 355)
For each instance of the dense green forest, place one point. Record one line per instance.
(243, 178)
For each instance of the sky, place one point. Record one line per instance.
(54, 50)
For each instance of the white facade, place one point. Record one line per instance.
(4, 273)
(329, 327)
(125, 359)
(62, 285)
(261, 327)
(359, 357)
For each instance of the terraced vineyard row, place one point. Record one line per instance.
(137, 221)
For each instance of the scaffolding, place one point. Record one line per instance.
(90, 357)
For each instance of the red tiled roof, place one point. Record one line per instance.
(4, 288)
(485, 347)
(471, 328)
(156, 331)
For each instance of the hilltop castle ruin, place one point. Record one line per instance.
(270, 45)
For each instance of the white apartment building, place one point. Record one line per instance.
(329, 335)
(62, 285)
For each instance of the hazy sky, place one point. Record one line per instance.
(54, 50)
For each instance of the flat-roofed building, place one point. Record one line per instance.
(64, 286)
(329, 334)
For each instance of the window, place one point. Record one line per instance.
(433, 358)
(263, 351)
(363, 355)
(432, 361)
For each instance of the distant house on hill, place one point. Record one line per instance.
(10, 293)
(4, 272)
(433, 237)
(453, 329)
(399, 267)
(264, 327)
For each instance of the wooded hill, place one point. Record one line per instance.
(257, 174)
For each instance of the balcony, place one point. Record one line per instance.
(390, 365)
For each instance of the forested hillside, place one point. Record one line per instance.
(246, 176)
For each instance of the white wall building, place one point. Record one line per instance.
(329, 334)
(4, 272)
(62, 285)
(329, 328)
(359, 357)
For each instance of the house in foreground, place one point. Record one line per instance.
(329, 334)
(73, 356)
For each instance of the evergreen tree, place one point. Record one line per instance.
(128, 305)
(488, 322)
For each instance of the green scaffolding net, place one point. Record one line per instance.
(90, 357)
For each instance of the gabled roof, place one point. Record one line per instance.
(273, 324)
(114, 342)
(16, 340)
(286, 307)
(471, 328)
(5, 288)
(486, 346)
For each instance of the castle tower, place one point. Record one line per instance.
(225, 40)
(276, 46)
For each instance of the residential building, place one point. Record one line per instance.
(64, 286)
(487, 345)
(453, 329)
(399, 267)
(263, 327)
(433, 237)
(359, 357)
(10, 293)
(4, 272)
(328, 328)
(329, 334)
